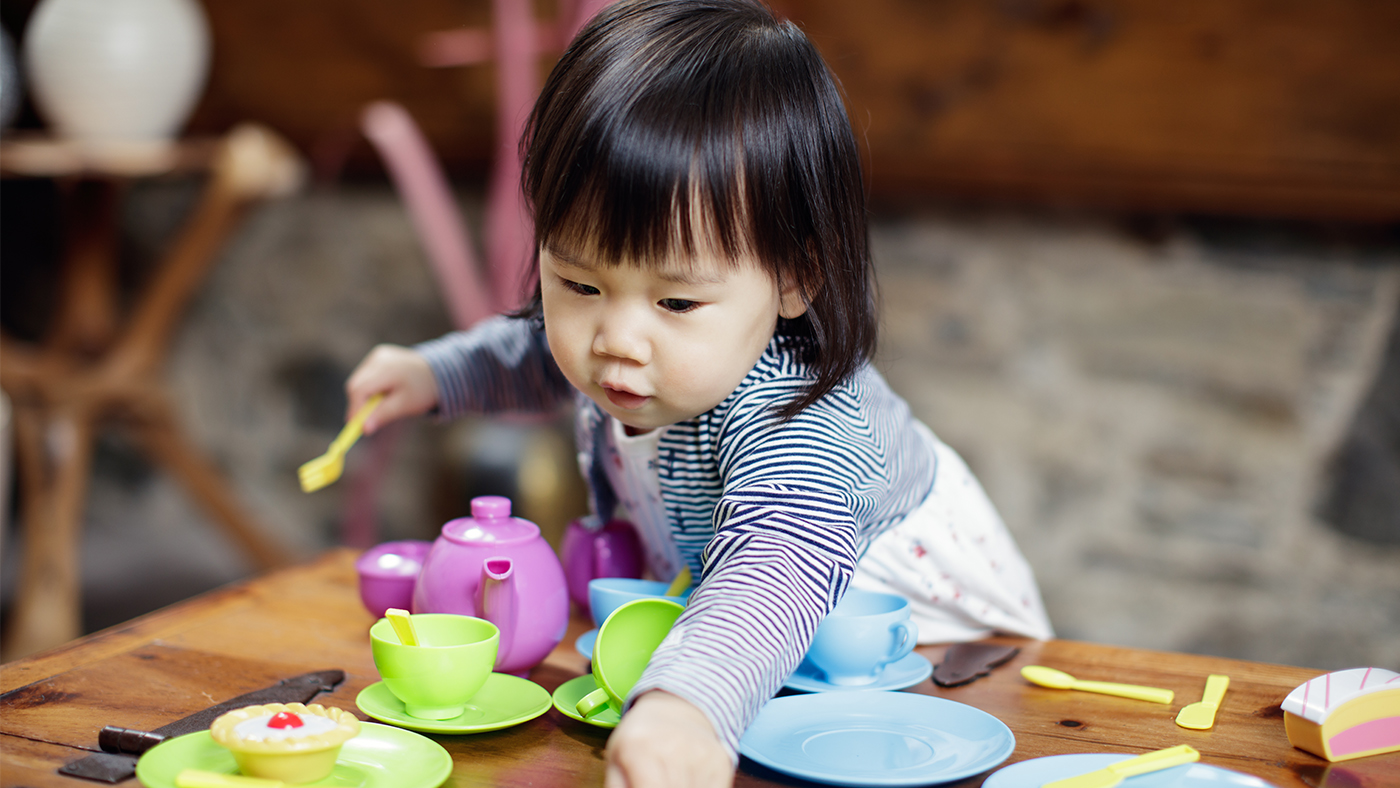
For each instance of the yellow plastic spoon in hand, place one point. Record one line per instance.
(1200, 715)
(403, 626)
(317, 473)
(680, 584)
(1114, 773)
(1058, 679)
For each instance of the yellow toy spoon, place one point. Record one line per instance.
(1114, 773)
(1200, 715)
(403, 626)
(317, 473)
(1058, 679)
(199, 778)
(680, 584)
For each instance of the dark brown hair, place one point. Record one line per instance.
(664, 110)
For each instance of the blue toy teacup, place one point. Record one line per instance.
(865, 632)
(606, 594)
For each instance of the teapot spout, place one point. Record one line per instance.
(500, 601)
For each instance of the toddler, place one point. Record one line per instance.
(704, 297)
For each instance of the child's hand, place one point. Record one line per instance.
(665, 742)
(402, 375)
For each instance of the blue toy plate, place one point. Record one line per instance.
(875, 738)
(1038, 771)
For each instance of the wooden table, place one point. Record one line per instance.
(165, 665)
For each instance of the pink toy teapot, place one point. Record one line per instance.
(499, 568)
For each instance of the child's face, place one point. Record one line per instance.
(657, 345)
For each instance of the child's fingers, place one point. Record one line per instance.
(615, 778)
(374, 419)
(358, 396)
(665, 742)
(401, 375)
(390, 409)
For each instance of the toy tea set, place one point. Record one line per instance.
(490, 600)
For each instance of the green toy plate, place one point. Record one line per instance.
(380, 757)
(504, 701)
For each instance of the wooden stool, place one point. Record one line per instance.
(95, 369)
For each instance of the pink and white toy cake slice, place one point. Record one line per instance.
(1345, 714)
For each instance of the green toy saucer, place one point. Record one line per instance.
(568, 695)
(503, 701)
(379, 757)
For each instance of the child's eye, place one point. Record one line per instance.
(678, 305)
(578, 288)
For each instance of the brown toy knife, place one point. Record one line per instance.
(123, 746)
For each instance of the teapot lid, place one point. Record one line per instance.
(490, 522)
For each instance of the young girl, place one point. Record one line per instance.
(705, 299)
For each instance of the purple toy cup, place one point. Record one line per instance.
(611, 551)
(388, 573)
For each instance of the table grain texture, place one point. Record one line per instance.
(171, 663)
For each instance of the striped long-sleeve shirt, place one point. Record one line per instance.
(771, 515)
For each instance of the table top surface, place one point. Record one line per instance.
(163, 666)
(43, 156)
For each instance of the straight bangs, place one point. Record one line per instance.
(675, 126)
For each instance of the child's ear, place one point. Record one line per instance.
(792, 302)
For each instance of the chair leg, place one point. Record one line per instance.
(163, 440)
(55, 457)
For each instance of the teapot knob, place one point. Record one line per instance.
(490, 507)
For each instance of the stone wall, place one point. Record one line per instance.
(1154, 419)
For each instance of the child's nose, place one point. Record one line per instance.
(622, 335)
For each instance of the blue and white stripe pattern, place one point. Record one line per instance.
(772, 516)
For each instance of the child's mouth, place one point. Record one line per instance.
(625, 399)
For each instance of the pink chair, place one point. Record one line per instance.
(473, 291)
(515, 43)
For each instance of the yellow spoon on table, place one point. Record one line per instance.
(317, 473)
(1058, 679)
(1113, 774)
(1200, 715)
(200, 778)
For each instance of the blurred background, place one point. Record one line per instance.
(1139, 262)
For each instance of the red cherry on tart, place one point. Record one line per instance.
(284, 719)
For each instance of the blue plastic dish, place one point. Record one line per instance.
(874, 738)
(1038, 771)
(584, 644)
(897, 675)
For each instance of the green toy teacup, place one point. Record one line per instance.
(625, 643)
(436, 678)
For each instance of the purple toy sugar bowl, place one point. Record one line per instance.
(388, 573)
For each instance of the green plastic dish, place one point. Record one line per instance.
(382, 756)
(568, 695)
(624, 646)
(437, 678)
(504, 700)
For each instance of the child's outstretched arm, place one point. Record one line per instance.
(402, 375)
(664, 741)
